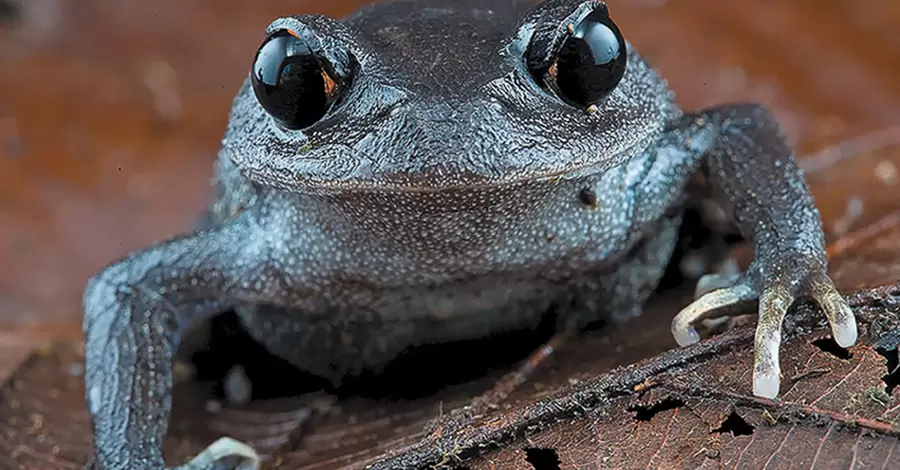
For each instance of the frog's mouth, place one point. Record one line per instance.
(338, 170)
(425, 182)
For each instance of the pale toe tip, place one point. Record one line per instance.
(765, 385)
(685, 336)
(845, 335)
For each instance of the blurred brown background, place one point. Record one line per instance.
(111, 112)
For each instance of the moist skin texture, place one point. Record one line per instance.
(447, 195)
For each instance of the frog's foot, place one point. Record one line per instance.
(224, 454)
(776, 290)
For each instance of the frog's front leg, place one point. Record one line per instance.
(753, 169)
(135, 312)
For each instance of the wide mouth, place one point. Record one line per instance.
(427, 182)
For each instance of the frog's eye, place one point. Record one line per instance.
(290, 82)
(591, 61)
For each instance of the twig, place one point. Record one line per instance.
(835, 154)
(858, 237)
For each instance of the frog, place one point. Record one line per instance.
(426, 171)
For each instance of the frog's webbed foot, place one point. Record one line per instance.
(776, 285)
(224, 454)
(751, 169)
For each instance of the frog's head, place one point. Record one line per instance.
(424, 96)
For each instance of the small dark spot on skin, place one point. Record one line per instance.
(827, 345)
(736, 425)
(892, 378)
(542, 459)
(346, 339)
(550, 238)
(647, 412)
(588, 197)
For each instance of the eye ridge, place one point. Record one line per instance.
(291, 83)
(591, 61)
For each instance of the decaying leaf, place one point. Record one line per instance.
(683, 408)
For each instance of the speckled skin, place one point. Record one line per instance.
(442, 197)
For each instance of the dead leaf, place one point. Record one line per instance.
(692, 408)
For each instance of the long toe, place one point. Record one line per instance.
(721, 302)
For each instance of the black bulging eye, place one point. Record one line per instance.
(591, 61)
(290, 82)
